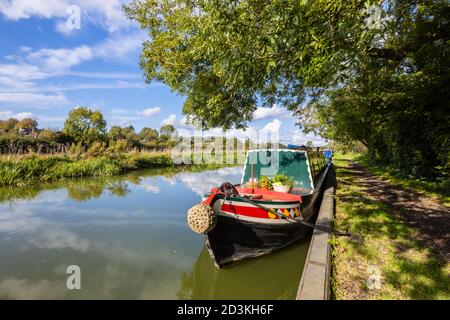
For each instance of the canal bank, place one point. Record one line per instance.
(315, 279)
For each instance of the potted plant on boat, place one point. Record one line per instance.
(265, 183)
(282, 183)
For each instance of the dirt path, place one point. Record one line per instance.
(430, 219)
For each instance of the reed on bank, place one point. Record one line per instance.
(26, 169)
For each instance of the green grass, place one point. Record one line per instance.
(409, 269)
(21, 171)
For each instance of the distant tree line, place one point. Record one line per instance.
(84, 129)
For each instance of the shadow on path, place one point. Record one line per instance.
(430, 219)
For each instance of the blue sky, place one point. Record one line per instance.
(46, 69)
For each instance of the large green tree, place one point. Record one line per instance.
(368, 70)
(397, 100)
(85, 125)
(225, 55)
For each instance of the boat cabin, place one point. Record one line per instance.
(303, 167)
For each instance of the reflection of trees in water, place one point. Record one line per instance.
(119, 189)
(94, 189)
(77, 189)
(82, 189)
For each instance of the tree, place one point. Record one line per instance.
(8, 125)
(379, 79)
(123, 133)
(48, 135)
(224, 55)
(148, 134)
(167, 130)
(115, 133)
(396, 103)
(85, 125)
(27, 123)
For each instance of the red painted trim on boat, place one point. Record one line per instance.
(267, 195)
(246, 211)
(210, 199)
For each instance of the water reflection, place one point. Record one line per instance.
(271, 277)
(129, 236)
(84, 189)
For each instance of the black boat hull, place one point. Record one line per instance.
(235, 239)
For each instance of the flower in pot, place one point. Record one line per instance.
(282, 183)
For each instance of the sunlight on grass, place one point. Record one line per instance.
(409, 270)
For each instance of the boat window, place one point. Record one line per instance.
(289, 162)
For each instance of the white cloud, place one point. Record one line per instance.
(273, 126)
(13, 84)
(37, 100)
(22, 72)
(264, 112)
(77, 86)
(21, 79)
(298, 137)
(28, 69)
(149, 187)
(61, 27)
(181, 124)
(149, 112)
(120, 47)
(172, 119)
(58, 60)
(24, 9)
(9, 114)
(122, 116)
(104, 75)
(202, 182)
(106, 14)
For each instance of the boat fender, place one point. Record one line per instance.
(201, 218)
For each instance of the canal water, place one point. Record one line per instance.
(130, 239)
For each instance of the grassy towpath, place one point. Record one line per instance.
(400, 237)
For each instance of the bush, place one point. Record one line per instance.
(282, 179)
(96, 149)
(119, 146)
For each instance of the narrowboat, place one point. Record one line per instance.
(249, 219)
